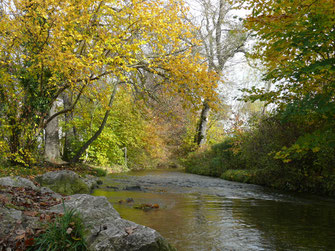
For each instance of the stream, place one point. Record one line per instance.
(203, 213)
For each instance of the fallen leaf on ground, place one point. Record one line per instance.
(20, 237)
(30, 213)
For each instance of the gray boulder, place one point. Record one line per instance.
(17, 182)
(108, 231)
(63, 182)
(9, 218)
(91, 181)
(23, 182)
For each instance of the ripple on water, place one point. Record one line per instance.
(203, 213)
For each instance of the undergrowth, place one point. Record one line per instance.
(66, 233)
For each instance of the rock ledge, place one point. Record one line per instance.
(106, 230)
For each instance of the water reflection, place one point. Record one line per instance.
(198, 216)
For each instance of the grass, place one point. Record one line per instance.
(32, 171)
(65, 233)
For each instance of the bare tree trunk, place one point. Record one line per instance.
(220, 43)
(97, 133)
(52, 147)
(201, 133)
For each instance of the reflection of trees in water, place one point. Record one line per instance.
(199, 221)
(288, 226)
(199, 207)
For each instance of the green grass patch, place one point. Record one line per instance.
(65, 233)
(7, 169)
(98, 172)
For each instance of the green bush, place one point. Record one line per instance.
(244, 176)
(215, 160)
(199, 163)
(99, 172)
(228, 155)
(66, 233)
(287, 150)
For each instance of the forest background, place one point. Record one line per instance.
(143, 84)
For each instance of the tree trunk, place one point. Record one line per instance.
(201, 133)
(52, 146)
(14, 140)
(69, 134)
(97, 133)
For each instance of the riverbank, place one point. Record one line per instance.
(37, 214)
(260, 168)
(30, 172)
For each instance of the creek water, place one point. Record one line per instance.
(204, 213)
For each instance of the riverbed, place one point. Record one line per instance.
(204, 213)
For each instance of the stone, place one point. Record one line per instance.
(92, 182)
(17, 182)
(108, 231)
(9, 218)
(133, 188)
(63, 182)
(47, 190)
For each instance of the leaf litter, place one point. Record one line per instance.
(34, 217)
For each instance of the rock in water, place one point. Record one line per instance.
(108, 231)
(63, 182)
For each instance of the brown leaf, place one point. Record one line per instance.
(4, 199)
(40, 231)
(29, 242)
(20, 231)
(48, 217)
(30, 213)
(44, 203)
(20, 237)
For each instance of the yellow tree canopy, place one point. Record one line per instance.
(48, 47)
(62, 44)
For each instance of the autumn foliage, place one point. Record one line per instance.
(49, 49)
(293, 147)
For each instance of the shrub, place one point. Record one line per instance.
(215, 160)
(99, 172)
(244, 176)
(292, 149)
(199, 162)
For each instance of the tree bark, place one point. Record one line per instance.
(69, 134)
(52, 146)
(98, 132)
(201, 133)
(219, 45)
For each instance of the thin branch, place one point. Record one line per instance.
(65, 110)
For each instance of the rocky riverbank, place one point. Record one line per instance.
(26, 206)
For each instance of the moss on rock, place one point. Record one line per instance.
(63, 182)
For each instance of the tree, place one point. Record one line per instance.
(296, 44)
(221, 39)
(48, 48)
